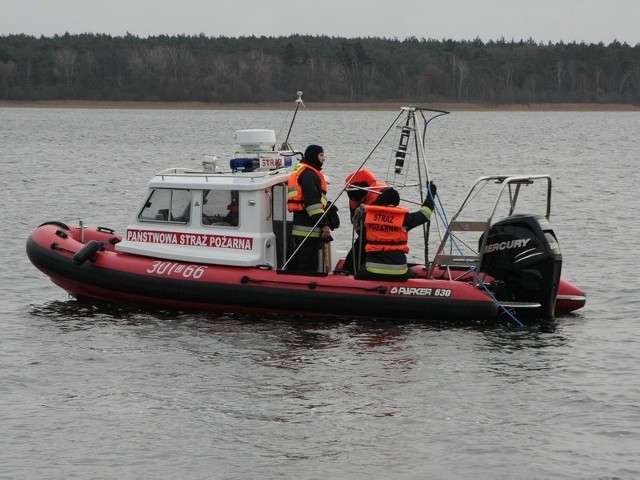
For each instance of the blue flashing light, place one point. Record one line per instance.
(244, 164)
(267, 163)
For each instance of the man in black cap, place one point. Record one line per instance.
(307, 200)
(387, 234)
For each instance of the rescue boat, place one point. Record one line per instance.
(217, 238)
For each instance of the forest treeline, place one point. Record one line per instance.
(328, 69)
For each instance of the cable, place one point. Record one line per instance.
(475, 273)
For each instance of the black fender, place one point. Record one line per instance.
(88, 252)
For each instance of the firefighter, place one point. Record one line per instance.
(362, 189)
(387, 234)
(307, 199)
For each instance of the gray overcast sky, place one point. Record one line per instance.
(590, 21)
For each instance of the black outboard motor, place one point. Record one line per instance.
(523, 255)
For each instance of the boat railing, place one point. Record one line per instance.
(179, 171)
(456, 251)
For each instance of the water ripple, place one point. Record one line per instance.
(105, 392)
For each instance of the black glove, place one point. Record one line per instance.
(432, 189)
(333, 220)
(429, 202)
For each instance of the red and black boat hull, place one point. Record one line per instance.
(111, 276)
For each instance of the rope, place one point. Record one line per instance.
(344, 188)
(475, 273)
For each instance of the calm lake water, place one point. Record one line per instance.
(116, 393)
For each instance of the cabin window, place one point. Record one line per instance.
(220, 207)
(167, 205)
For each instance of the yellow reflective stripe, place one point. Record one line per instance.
(386, 269)
(315, 209)
(302, 231)
(426, 210)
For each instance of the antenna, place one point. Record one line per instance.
(285, 144)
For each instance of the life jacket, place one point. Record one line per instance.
(295, 199)
(373, 187)
(385, 230)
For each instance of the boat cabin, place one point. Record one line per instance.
(234, 214)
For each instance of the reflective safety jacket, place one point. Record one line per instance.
(385, 230)
(313, 190)
(295, 195)
(387, 236)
